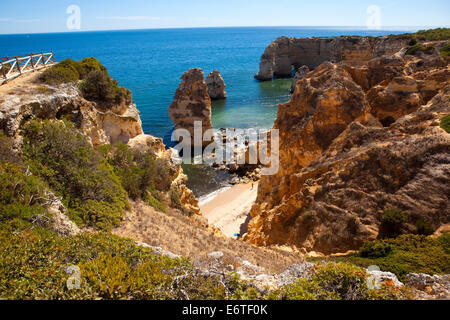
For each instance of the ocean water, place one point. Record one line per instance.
(151, 62)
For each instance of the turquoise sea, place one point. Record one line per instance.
(151, 62)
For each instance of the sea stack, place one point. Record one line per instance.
(192, 103)
(216, 86)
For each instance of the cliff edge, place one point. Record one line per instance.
(357, 140)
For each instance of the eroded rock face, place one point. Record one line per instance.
(216, 86)
(155, 146)
(299, 75)
(284, 54)
(342, 163)
(32, 102)
(191, 103)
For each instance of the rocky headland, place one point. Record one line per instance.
(356, 139)
(365, 133)
(216, 86)
(286, 55)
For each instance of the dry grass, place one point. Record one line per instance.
(193, 238)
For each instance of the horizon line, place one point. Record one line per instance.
(359, 28)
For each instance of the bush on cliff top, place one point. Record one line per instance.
(415, 49)
(63, 157)
(445, 50)
(100, 87)
(97, 85)
(426, 35)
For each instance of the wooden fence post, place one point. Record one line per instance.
(3, 70)
(18, 65)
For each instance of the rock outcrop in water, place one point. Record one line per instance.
(285, 54)
(191, 103)
(216, 86)
(356, 140)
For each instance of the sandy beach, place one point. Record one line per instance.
(229, 211)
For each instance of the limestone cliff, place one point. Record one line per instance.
(284, 55)
(32, 99)
(356, 140)
(216, 85)
(191, 103)
(147, 143)
(27, 98)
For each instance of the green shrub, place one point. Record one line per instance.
(445, 123)
(33, 262)
(433, 34)
(424, 227)
(346, 280)
(71, 71)
(21, 195)
(375, 249)
(64, 72)
(175, 198)
(303, 289)
(63, 157)
(437, 34)
(333, 281)
(444, 241)
(5, 69)
(141, 175)
(392, 221)
(99, 86)
(155, 203)
(6, 150)
(445, 50)
(90, 64)
(408, 254)
(415, 49)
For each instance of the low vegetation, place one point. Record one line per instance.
(141, 175)
(437, 34)
(405, 254)
(330, 281)
(445, 50)
(5, 69)
(417, 48)
(392, 220)
(445, 123)
(34, 265)
(61, 156)
(95, 82)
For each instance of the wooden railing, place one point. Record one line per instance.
(12, 67)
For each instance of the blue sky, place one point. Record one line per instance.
(50, 15)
